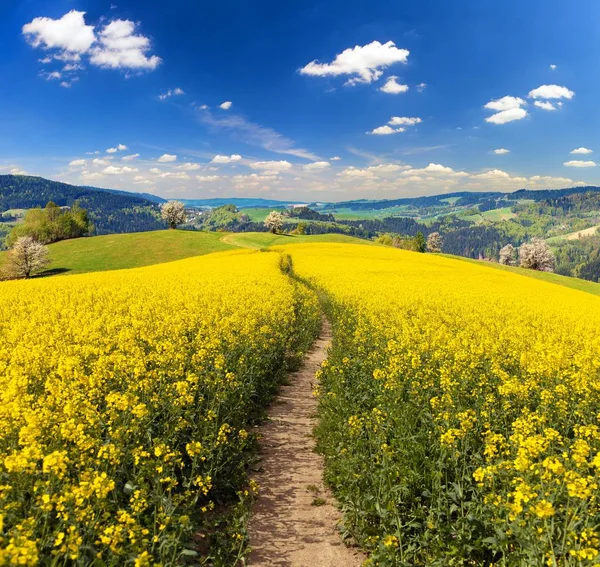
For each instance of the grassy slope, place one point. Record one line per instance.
(574, 283)
(115, 251)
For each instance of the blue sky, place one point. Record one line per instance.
(241, 98)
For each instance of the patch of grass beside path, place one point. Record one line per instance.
(567, 281)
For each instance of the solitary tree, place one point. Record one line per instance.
(536, 255)
(173, 212)
(274, 222)
(25, 257)
(507, 255)
(420, 244)
(435, 242)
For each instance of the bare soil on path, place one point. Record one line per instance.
(294, 520)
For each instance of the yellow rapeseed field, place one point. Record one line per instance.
(460, 409)
(125, 402)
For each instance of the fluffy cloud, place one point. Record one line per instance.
(130, 157)
(226, 159)
(544, 105)
(273, 166)
(421, 87)
(112, 170)
(207, 178)
(364, 64)
(505, 103)
(171, 92)
(581, 151)
(99, 161)
(404, 121)
(115, 46)
(69, 33)
(551, 91)
(335, 158)
(119, 148)
(226, 105)
(435, 169)
(498, 175)
(167, 158)
(316, 165)
(385, 130)
(400, 121)
(553, 67)
(188, 166)
(393, 87)
(507, 116)
(77, 163)
(120, 48)
(356, 173)
(387, 168)
(501, 151)
(579, 163)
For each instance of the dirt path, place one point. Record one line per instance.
(294, 522)
(230, 239)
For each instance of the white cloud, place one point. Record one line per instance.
(77, 163)
(507, 116)
(578, 163)
(553, 67)
(203, 107)
(174, 175)
(188, 166)
(551, 91)
(404, 121)
(171, 92)
(167, 158)
(141, 180)
(499, 175)
(354, 173)
(316, 165)
(501, 151)
(272, 166)
(99, 161)
(207, 178)
(91, 175)
(421, 87)
(435, 169)
(401, 121)
(387, 168)
(120, 48)
(112, 170)
(544, 105)
(226, 105)
(363, 63)
(335, 158)
(226, 159)
(385, 130)
(69, 33)
(155, 171)
(505, 103)
(581, 151)
(393, 87)
(130, 157)
(119, 148)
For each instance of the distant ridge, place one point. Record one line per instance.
(240, 203)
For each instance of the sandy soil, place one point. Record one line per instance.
(287, 528)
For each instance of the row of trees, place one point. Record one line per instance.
(534, 255)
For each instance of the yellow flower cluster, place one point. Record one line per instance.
(490, 387)
(125, 399)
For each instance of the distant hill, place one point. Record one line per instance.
(147, 196)
(111, 211)
(238, 202)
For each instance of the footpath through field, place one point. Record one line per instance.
(294, 522)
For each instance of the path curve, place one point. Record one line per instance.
(230, 239)
(294, 521)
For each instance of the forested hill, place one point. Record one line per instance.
(110, 211)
